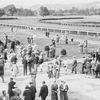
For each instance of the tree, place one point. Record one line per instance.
(52, 12)
(2, 12)
(24, 12)
(43, 11)
(10, 10)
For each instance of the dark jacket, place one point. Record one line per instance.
(24, 62)
(43, 91)
(10, 87)
(33, 92)
(13, 45)
(27, 94)
(36, 60)
(97, 68)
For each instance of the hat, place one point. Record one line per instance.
(43, 82)
(30, 83)
(11, 78)
(27, 87)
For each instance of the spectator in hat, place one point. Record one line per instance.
(36, 62)
(11, 87)
(33, 91)
(27, 93)
(28, 40)
(1, 46)
(13, 45)
(29, 62)
(74, 65)
(53, 43)
(24, 62)
(32, 40)
(66, 40)
(43, 91)
(2, 67)
(57, 39)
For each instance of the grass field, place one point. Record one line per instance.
(72, 50)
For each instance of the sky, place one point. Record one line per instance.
(29, 3)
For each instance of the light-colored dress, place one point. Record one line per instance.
(14, 69)
(18, 51)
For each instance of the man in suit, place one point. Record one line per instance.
(11, 87)
(43, 91)
(13, 44)
(33, 90)
(74, 65)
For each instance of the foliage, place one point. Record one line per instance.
(43, 11)
(47, 48)
(63, 52)
(24, 12)
(2, 12)
(10, 9)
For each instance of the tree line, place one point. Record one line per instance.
(11, 10)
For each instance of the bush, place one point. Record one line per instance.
(47, 48)
(63, 52)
